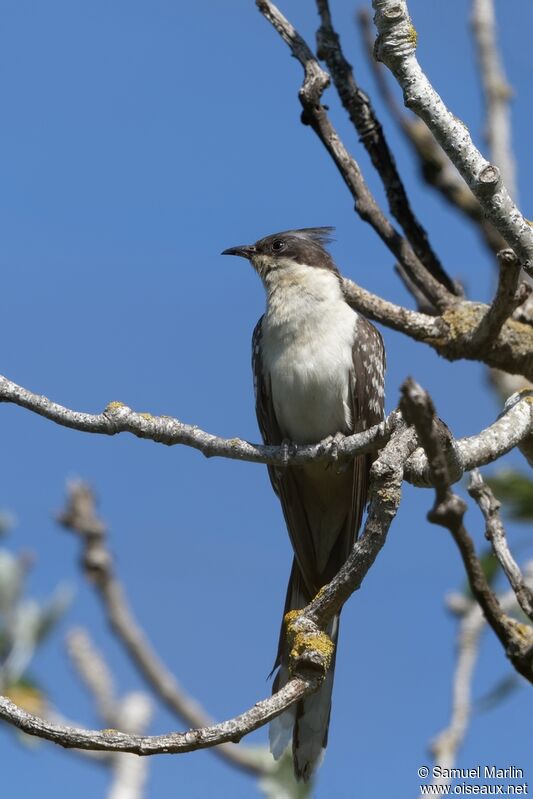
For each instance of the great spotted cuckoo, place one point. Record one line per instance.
(318, 372)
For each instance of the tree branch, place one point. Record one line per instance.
(497, 91)
(435, 166)
(131, 713)
(385, 494)
(308, 667)
(513, 427)
(80, 518)
(171, 743)
(395, 46)
(508, 297)
(118, 418)
(495, 533)
(448, 511)
(315, 115)
(368, 126)
(447, 743)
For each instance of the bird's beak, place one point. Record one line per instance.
(244, 251)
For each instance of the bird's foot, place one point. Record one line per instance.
(333, 443)
(288, 448)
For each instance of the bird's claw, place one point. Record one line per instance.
(333, 443)
(288, 448)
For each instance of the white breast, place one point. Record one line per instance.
(307, 338)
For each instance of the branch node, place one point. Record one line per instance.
(489, 180)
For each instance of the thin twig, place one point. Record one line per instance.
(446, 745)
(308, 666)
(396, 46)
(495, 533)
(131, 713)
(93, 672)
(497, 91)
(369, 128)
(508, 297)
(435, 166)
(315, 114)
(448, 511)
(111, 740)
(80, 517)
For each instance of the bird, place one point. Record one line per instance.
(318, 368)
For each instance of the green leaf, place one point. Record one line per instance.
(503, 688)
(515, 490)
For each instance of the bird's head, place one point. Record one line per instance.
(278, 251)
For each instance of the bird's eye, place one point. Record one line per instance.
(278, 245)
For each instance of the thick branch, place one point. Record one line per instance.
(396, 48)
(315, 115)
(368, 126)
(118, 418)
(513, 427)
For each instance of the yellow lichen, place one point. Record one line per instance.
(146, 415)
(523, 630)
(314, 642)
(412, 35)
(113, 406)
(110, 731)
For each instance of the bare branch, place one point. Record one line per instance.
(171, 743)
(447, 743)
(435, 166)
(81, 518)
(118, 418)
(448, 511)
(385, 495)
(495, 532)
(368, 126)
(508, 297)
(315, 115)
(453, 333)
(419, 326)
(385, 492)
(496, 90)
(513, 427)
(396, 48)
(132, 713)
(93, 672)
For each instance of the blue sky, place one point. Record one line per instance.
(139, 140)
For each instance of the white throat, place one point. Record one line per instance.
(308, 335)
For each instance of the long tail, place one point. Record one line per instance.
(307, 722)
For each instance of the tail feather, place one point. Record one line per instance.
(306, 723)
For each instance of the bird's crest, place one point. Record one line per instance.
(320, 235)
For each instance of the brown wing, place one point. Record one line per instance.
(368, 402)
